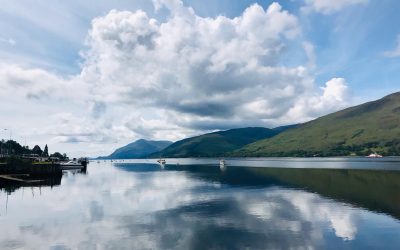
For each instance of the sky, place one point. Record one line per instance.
(86, 77)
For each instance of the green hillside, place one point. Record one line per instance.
(359, 130)
(138, 149)
(217, 143)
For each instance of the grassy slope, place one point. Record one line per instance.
(373, 126)
(217, 143)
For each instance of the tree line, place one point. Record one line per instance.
(12, 147)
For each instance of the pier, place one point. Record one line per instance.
(30, 168)
(17, 166)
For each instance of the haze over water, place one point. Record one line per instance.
(256, 204)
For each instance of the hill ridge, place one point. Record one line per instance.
(358, 130)
(217, 143)
(140, 148)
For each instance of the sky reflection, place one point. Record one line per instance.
(127, 206)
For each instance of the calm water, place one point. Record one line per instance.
(193, 204)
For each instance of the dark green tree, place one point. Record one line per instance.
(59, 156)
(14, 148)
(37, 150)
(46, 151)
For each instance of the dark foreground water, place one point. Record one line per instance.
(268, 204)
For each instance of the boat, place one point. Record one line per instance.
(374, 155)
(74, 164)
(161, 161)
(222, 164)
(70, 165)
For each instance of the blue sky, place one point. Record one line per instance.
(352, 57)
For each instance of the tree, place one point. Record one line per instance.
(37, 150)
(46, 151)
(13, 147)
(60, 156)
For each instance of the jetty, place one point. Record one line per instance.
(14, 166)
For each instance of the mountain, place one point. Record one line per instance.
(217, 143)
(359, 130)
(138, 149)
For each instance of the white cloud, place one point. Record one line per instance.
(37, 84)
(329, 6)
(396, 51)
(335, 95)
(143, 78)
(198, 69)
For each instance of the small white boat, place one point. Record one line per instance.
(161, 161)
(374, 155)
(222, 164)
(71, 165)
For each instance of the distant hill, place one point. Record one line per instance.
(217, 143)
(138, 149)
(359, 130)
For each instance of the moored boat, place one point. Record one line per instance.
(374, 155)
(161, 161)
(74, 164)
(222, 164)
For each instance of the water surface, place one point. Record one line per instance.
(336, 203)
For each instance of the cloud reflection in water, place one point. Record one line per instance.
(128, 208)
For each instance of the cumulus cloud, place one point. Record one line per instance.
(329, 7)
(199, 70)
(185, 75)
(335, 94)
(395, 52)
